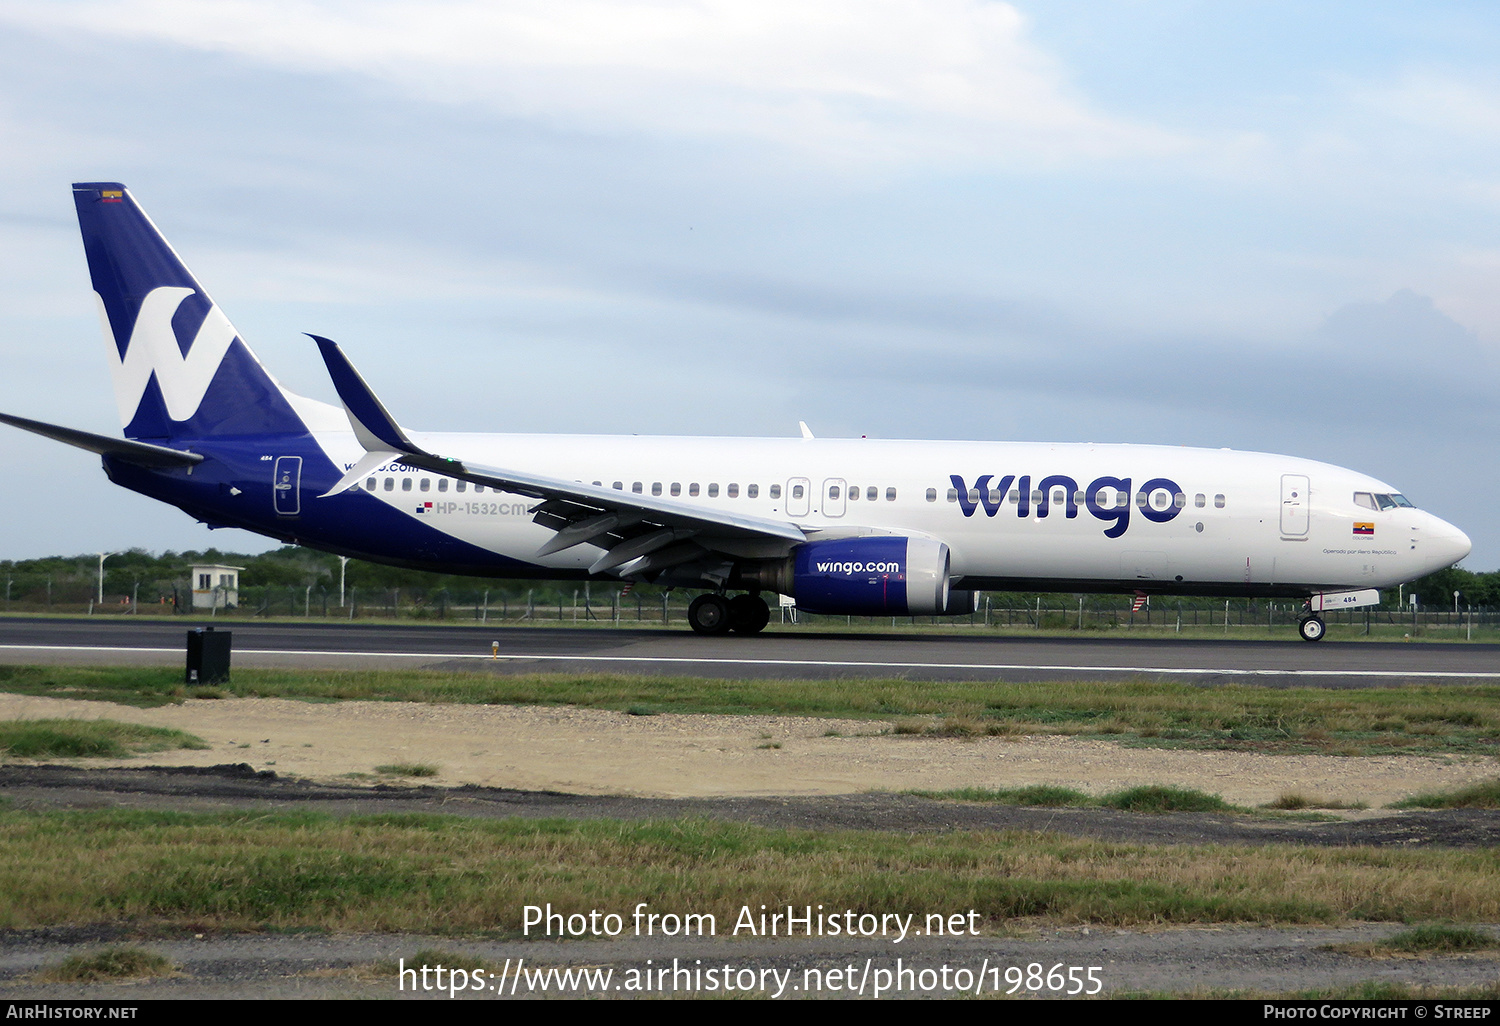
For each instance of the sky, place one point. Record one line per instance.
(1270, 226)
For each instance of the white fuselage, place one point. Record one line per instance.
(1237, 519)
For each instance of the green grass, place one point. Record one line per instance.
(83, 739)
(111, 964)
(1156, 798)
(407, 769)
(450, 876)
(1431, 939)
(1442, 939)
(1485, 795)
(1292, 801)
(1419, 720)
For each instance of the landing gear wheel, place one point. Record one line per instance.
(709, 614)
(1312, 628)
(748, 614)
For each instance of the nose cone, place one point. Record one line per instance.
(1445, 544)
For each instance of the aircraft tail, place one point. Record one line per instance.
(180, 369)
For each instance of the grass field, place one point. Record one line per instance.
(1416, 720)
(106, 739)
(446, 875)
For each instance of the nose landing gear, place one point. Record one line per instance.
(1312, 628)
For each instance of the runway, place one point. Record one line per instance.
(513, 650)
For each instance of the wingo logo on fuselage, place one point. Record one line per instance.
(990, 497)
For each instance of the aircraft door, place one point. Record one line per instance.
(798, 497)
(833, 497)
(286, 487)
(1295, 509)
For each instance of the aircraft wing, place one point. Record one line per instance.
(640, 533)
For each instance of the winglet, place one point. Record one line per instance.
(373, 425)
(807, 435)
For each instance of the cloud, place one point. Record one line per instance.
(893, 81)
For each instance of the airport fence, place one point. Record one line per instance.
(616, 606)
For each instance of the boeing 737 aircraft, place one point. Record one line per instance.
(856, 526)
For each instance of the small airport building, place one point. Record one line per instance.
(216, 586)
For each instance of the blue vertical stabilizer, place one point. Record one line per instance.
(180, 369)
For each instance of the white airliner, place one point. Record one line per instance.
(857, 526)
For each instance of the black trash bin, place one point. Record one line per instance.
(208, 656)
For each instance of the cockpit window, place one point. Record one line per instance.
(1386, 502)
(1389, 501)
(1365, 499)
(1401, 500)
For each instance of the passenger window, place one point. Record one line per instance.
(973, 495)
(461, 486)
(676, 487)
(733, 491)
(655, 487)
(713, 489)
(890, 495)
(1218, 501)
(370, 485)
(442, 484)
(872, 493)
(853, 493)
(932, 495)
(426, 484)
(1199, 500)
(693, 488)
(619, 486)
(952, 494)
(479, 488)
(1015, 495)
(776, 491)
(406, 484)
(390, 483)
(1179, 500)
(635, 487)
(752, 491)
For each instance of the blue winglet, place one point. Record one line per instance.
(373, 424)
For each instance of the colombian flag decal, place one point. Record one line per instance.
(1364, 529)
(111, 195)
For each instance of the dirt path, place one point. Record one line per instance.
(592, 752)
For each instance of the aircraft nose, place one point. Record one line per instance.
(1447, 542)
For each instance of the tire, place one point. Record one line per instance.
(709, 614)
(1312, 628)
(748, 614)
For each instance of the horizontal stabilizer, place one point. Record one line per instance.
(141, 453)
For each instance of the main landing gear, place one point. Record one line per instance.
(715, 614)
(1311, 627)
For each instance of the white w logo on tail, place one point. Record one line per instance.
(153, 348)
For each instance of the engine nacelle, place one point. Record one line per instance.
(880, 575)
